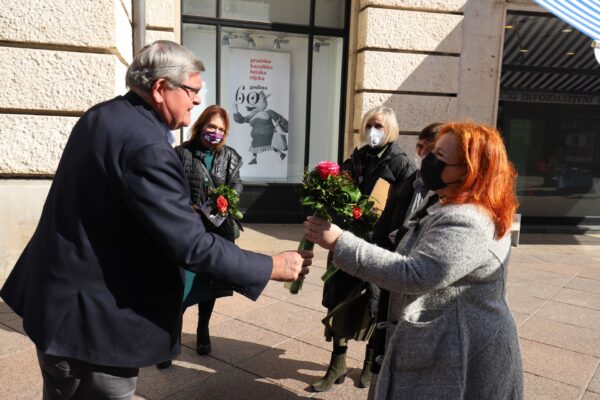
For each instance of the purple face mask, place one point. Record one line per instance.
(212, 137)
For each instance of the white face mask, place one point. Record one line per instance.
(418, 160)
(375, 137)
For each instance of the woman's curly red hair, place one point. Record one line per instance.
(490, 177)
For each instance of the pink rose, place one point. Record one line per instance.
(326, 168)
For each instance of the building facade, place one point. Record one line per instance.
(317, 66)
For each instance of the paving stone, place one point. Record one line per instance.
(576, 338)
(539, 388)
(235, 383)
(590, 273)
(237, 305)
(293, 364)
(591, 396)
(519, 318)
(557, 364)
(316, 337)
(522, 271)
(585, 284)
(559, 268)
(570, 314)
(594, 385)
(12, 341)
(533, 289)
(233, 341)
(522, 303)
(284, 318)
(20, 376)
(310, 297)
(6, 313)
(570, 259)
(190, 320)
(188, 367)
(579, 298)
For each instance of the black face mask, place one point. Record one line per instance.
(431, 172)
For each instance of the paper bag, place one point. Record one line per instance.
(379, 194)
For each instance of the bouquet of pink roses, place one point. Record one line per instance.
(333, 194)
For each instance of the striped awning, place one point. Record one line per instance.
(545, 54)
(581, 14)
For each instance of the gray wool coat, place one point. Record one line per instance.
(450, 334)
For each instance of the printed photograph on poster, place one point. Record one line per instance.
(258, 90)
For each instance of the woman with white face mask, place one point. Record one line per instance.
(381, 157)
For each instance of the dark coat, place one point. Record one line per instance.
(99, 280)
(394, 213)
(366, 168)
(225, 170)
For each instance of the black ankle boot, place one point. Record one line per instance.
(203, 341)
(164, 364)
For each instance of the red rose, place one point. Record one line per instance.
(222, 204)
(326, 168)
(356, 212)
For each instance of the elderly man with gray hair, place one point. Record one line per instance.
(99, 286)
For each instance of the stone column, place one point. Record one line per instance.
(408, 59)
(59, 58)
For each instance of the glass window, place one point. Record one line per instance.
(201, 39)
(549, 115)
(325, 99)
(330, 13)
(283, 11)
(201, 8)
(263, 86)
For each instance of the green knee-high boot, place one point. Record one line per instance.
(336, 373)
(366, 374)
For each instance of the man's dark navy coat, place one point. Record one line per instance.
(99, 280)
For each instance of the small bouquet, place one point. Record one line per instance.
(222, 202)
(333, 194)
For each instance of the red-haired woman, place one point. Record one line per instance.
(450, 333)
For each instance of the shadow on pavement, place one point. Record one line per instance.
(223, 375)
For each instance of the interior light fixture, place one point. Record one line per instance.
(571, 53)
(251, 42)
(523, 50)
(278, 42)
(566, 30)
(317, 46)
(508, 27)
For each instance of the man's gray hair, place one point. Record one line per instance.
(162, 59)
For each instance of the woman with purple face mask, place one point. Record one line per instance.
(208, 162)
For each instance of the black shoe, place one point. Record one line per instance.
(203, 349)
(282, 155)
(164, 364)
(253, 161)
(203, 341)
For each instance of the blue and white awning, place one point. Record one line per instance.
(581, 14)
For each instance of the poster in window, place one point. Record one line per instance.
(257, 95)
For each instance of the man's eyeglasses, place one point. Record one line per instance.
(192, 92)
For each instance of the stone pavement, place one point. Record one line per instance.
(274, 348)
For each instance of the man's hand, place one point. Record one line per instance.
(289, 265)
